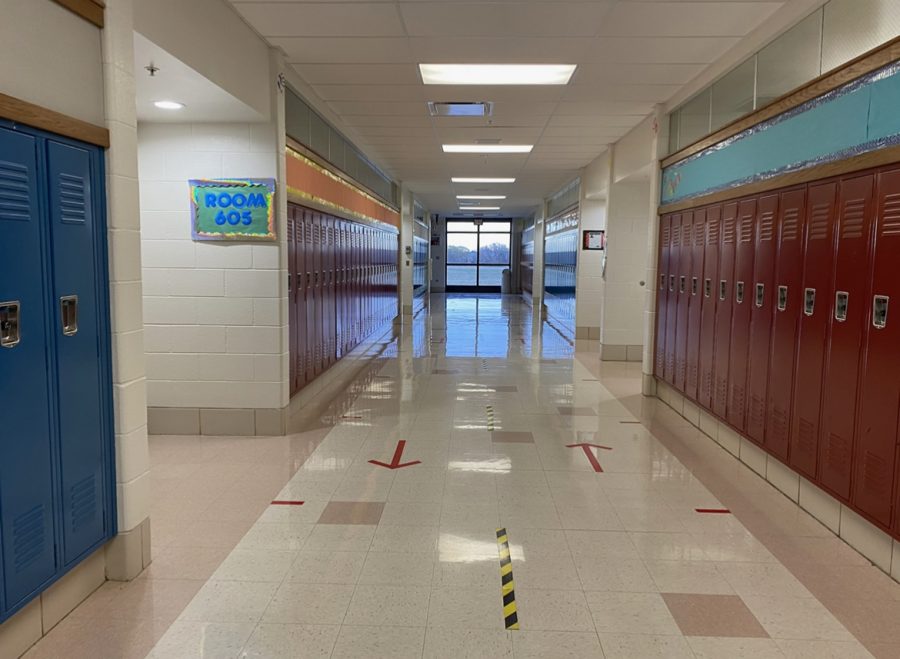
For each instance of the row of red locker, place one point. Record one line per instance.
(342, 283)
(773, 315)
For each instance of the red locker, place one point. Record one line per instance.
(695, 302)
(662, 293)
(317, 316)
(879, 387)
(848, 313)
(301, 227)
(672, 298)
(706, 353)
(788, 301)
(292, 301)
(740, 316)
(682, 290)
(724, 302)
(813, 330)
(762, 307)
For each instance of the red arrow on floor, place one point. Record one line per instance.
(590, 454)
(398, 454)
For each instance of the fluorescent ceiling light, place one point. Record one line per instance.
(168, 105)
(463, 179)
(481, 196)
(487, 148)
(479, 208)
(496, 74)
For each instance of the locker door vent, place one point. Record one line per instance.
(738, 400)
(757, 411)
(83, 502)
(837, 453)
(712, 236)
(728, 231)
(790, 224)
(766, 226)
(779, 422)
(890, 215)
(818, 222)
(876, 475)
(71, 199)
(28, 537)
(721, 390)
(853, 217)
(15, 203)
(806, 436)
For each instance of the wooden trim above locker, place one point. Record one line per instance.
(36, 116)
(878, 158)
(89, 10)
(855, 68)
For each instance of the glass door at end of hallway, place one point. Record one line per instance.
(477, 254)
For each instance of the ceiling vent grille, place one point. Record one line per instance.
(460, 108)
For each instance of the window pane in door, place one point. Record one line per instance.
(492, 226)
(455, 226)
(462, 275)
(462, 248)
(490, 275)
(494, 248)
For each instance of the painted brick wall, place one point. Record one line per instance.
(213, 313)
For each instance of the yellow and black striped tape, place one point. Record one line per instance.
(507, 585)
(490, 417)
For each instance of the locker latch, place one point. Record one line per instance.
(671, 283)
(662, 282)
(841, 302)
(809, 301)
(682, 280)
(782, 297)
(707, 287)
(723, 289)
(760, 295)
(68, 309)
(694, 285)
(739, 292)
(9, 324)
(879, 311)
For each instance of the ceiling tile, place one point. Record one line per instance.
(686, 19)
(595, 74)
(662, 50)
(324, 19)
(392, 93)
(498, 49)
(347, 50)
(359, 74)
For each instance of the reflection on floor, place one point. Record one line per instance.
(373, 533)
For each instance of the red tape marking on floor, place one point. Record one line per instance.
(714, 511)
(287, 503)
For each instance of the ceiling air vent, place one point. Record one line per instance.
(460, 109)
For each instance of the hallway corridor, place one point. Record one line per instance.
(631, 534)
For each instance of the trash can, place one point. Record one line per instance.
(505, 286)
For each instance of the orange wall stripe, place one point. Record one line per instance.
(308, 180)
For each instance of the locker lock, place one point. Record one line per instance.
(694, 285)
(9, 324)
(739, 292)
(682, 280)
(760, 295)
(809, 301)
(662, 282)
(707, 287)
(782, 297)
(841, 303)
(879, 311)
(723, 289)
(671, 283)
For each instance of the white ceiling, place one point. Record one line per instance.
(176, 81)
(360, 59)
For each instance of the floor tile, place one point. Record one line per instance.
(312, 604)
(450, 643)
(230, 601)
(202, 640)
(466, 608)
(631, 613)
(713, 615)
(274, 641)
(561, 645)
(355, 642)
(512, 437)
(737, 648)
(335, 567)
(351, 512)
(553, 610)
(645, 646)
(398, 569)
(394, 606)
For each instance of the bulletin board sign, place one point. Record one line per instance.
(233, 209)
(594, 240)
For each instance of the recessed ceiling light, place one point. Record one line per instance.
(480, 196)
(168, 105)
(487, 148)
(464, 179)
(496, 74)
(479, 208)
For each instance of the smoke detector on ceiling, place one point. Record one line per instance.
(460, 108)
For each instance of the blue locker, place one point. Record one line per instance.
(57, 480)
(79, 350)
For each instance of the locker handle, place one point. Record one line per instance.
(681, 283)
(694, 285)
(68, 309)
(841, 304)
(739, 292)
(723, 289)
(782, 297)
(671, 283)
(879, 311)
(707, 287)
(809, 301)
(9, 324)
(760, 295)
(289, 283)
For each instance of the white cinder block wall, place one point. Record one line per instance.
(212, 310)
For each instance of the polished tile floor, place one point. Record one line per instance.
(372, 531)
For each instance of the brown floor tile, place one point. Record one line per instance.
(512, 437)
(567, 410)
(352, 512)
(713, 615)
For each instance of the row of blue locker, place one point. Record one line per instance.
(57, 482)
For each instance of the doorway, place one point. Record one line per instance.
(477, 254)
